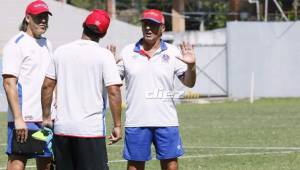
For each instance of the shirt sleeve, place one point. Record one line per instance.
(12, 60)
(110, 72)
(180, 66)
(51, 72)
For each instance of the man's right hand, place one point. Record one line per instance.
(21, 130)
(115, 135)
(10, 84)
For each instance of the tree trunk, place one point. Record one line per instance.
(235, 7)
(178, 21)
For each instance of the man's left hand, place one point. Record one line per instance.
(188, 54)
(47, 123)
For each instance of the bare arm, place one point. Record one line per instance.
(10, 87)
(189, 77)
(115, 101)
(46, 99)
(188, 57)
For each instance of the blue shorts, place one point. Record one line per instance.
(32, 126)
(138, 140)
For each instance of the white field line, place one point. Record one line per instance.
(27, 166)
(234, 147)
(243, 147)
(217, 155)
(199, 156)
(225, 147)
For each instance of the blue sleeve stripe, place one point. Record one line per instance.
(20, 95)
(19, 38)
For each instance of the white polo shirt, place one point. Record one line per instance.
(82, 70)
(27, 59)
(146, 81)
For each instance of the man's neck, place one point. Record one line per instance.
(85, 37)
(149, 46)
(30, 33)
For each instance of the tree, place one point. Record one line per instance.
(88, 4)
(212, 12)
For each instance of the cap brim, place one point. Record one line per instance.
(47, 12)
(151, 19)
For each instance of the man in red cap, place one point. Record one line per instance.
(25, 60)
(83, 73)
(149, 68)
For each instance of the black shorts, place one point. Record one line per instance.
(72, 153)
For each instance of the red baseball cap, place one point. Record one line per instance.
(153, 15)
(98, 18)
(37, 7)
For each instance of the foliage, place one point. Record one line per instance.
(89, 4)
(219, 19)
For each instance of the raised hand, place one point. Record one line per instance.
(188, 54)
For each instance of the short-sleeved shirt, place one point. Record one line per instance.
(27, 59)
(149, 83)
(82, 70)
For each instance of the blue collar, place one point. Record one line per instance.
(137, 47)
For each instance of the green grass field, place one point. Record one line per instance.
(225, 136)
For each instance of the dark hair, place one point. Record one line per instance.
(92, 32)
(23, 26)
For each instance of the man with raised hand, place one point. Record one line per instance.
(149, 67)
(26, 57)
(83, 74)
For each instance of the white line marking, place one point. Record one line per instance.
(236, 154)
(117, 161)
(216, 155)
(234, 147)
(198, 156)
(243, 147)
(27, 166)
(224, 147)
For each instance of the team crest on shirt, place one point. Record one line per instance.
(165, 58)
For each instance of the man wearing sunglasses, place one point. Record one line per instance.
(26, 57)
(149, 68)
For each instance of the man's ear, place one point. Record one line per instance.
(163, 28)
(27, 17)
